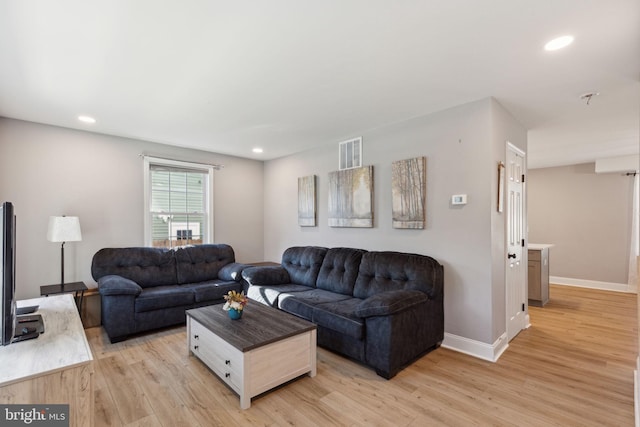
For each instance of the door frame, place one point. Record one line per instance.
(510, 147)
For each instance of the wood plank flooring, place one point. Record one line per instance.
(572, 367)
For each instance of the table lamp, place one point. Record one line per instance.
(63, 229)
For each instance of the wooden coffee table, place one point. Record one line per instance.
(260, 351)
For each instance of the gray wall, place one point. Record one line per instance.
(46, 170)
(587, 216)
(462, 146)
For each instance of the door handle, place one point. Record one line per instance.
(509, 256)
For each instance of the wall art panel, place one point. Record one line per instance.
(351, 197)
(307, 201)
(408, 184)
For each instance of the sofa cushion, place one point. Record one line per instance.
(302, 303)
(266, 275)
(340, 316)
(159, 297)
(202, 262)
(339, 270)
(145, 266)
(212, 290)
(117, 285)
(303, 264)
(388, 303)
(232, 272)
(387, 271)
(269, 294)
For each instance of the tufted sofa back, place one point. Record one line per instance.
(145, 266)
(202, 262)
(150, 267)
(388, 271)
(339, 270)
(303, 263)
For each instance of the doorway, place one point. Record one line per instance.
(516, 267)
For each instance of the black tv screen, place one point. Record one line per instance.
(7, 272)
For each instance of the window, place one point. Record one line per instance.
(178, 203)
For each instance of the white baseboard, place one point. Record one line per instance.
(593, 284)
(636, 392)
(481, 350)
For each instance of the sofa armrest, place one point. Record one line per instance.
(112, 285)
(387, 303)
(266, 275)
(232, 271)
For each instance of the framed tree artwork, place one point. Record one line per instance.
(351, 197)
(307, 201)
(408, 185)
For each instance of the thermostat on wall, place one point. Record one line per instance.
(459, 199)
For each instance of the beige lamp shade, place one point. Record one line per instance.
(64, 229)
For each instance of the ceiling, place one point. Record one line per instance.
(291, 75)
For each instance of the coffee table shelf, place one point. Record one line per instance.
(260, 351)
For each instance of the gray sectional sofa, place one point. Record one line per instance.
(384, 309)
(147, 288)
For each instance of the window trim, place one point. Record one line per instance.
(148, 161)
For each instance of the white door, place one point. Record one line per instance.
(516, 274)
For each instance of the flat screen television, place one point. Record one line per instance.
(7, 272)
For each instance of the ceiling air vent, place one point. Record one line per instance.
(351, 154)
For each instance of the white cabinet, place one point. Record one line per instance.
(56, 367)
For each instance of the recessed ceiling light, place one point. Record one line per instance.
(257, 150)
(558, 43)
(86, 119)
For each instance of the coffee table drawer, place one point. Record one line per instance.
(217, 354)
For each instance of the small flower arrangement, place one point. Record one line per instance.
(235, 300)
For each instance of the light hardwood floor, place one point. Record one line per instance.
(572, 367)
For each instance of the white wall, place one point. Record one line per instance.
(462, 146)
(47, 170)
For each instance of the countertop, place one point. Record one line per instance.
(539, 246)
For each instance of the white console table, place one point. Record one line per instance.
(56, 367)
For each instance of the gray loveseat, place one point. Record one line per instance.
(147, 288)
(384, 309)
